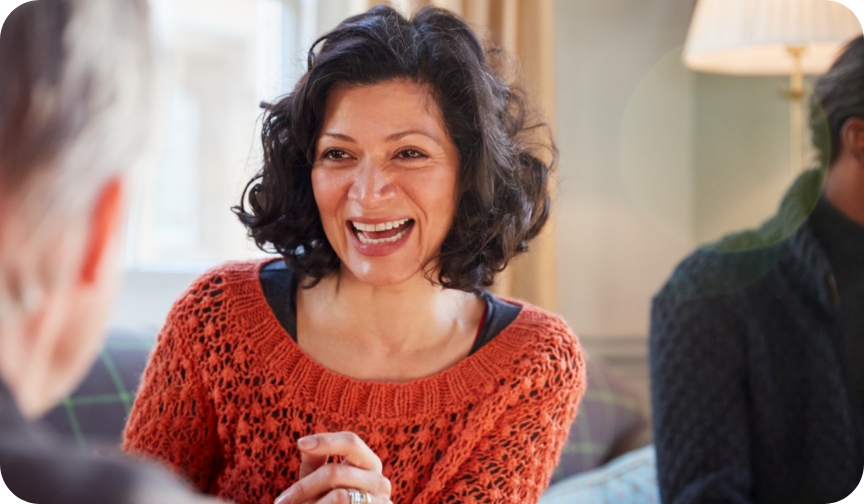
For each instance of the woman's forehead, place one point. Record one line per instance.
(389, 110)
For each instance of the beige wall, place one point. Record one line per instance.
(655, 159)
(612, 257)
(741, 152)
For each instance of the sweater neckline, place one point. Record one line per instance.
(477, 374)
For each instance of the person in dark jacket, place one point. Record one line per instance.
(757, 341)
(74, 103)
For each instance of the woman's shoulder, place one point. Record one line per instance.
(543, 326)
(538, 361)
(220, 307)
(229, 280)
(544, 340)
(233, 272)
(229, 275)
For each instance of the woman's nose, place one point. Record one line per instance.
(372, 183)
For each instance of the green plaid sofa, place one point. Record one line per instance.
(96, 412)
(612, 420)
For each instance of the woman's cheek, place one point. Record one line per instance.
(443, 197)
(327, 188)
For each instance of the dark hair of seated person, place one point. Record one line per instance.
(836, 98)
(504, 200)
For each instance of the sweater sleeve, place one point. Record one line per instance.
(173, 419)
(700, 405)
(513, 461)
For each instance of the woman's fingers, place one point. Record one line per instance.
(344, 444)
(328, 483)
(332, 477)
(309, 463)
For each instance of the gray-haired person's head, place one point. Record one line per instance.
(74, 98)
(837, 97)
(75, 106)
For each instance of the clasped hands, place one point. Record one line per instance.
(324, 482)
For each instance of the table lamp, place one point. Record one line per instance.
(771, 37)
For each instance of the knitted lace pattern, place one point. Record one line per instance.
(227, 393)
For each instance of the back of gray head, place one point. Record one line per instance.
(74, 95)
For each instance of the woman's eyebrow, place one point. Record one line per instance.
(398, 136)
(339, 136)
(390, 138)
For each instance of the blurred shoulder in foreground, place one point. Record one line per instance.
(74, 114)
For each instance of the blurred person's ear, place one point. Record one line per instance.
(844, 184)
(852, 136)
(58, 340)
(104, 223)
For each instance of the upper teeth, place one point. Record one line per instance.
(384, 226)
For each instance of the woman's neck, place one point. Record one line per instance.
(402, 331)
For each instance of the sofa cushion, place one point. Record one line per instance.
(629, 479)
(612, 420)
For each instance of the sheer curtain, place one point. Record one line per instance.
(223, 58)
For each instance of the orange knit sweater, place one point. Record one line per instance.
(227, 393)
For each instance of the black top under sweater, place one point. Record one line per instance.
(280, 289)
(755, 364)
(843, 241)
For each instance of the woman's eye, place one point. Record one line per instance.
(335, 154)
(411, 154)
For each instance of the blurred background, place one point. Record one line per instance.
(655, 158)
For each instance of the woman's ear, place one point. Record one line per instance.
(105, 219)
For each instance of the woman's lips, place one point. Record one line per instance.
(380, 238)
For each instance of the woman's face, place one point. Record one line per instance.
(384, 179)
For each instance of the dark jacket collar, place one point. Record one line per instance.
(808, 262)
(787, 241)
(805, 262)
(810, 269)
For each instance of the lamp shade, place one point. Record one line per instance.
(752, 37)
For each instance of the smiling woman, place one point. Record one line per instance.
(370, 365)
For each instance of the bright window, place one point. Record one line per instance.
(224, 58)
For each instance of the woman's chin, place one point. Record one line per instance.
(382, 271)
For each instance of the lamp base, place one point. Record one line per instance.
(796, 111)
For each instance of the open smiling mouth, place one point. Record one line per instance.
(381, 233)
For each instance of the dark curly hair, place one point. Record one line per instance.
(504, 199)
